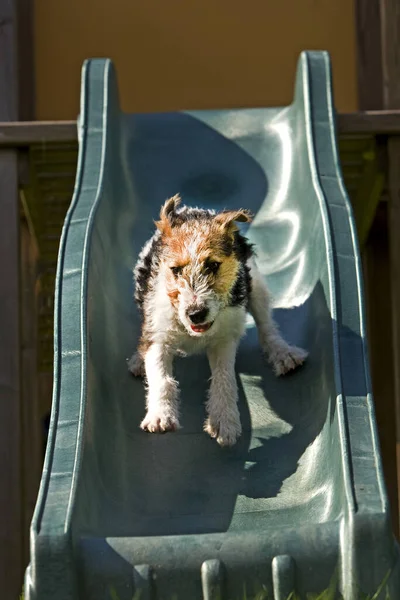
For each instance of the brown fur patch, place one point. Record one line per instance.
(226, 219)
(167, 210)
(143, 345)
(207, 238)
(226, 276)
(190, 246)
(172, 287)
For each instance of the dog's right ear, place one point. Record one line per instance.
(167, 214)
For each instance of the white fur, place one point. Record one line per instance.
(198, 294)
(172, 335)
(223, 422)
(162, 392)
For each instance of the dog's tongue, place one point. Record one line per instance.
(201, 328)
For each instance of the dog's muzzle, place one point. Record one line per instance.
(197, 319)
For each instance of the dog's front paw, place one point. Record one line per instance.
(287, 359)
(225, 428)
(159, 422)
(136, 365)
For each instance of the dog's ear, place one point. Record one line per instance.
(226, 219)
(167, 214)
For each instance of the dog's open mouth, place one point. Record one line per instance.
(201, 328)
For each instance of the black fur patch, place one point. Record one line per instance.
(227, 246)
(146, 267)
(243, 250)
(186, 214)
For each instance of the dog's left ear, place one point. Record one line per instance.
(226, 219)
(167, 214)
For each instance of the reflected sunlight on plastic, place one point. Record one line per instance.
(283, 131)
(291, 217)
(294, 295)
(312, 490)
(287, 257)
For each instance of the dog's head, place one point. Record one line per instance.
(199, 261)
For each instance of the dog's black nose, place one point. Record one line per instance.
(198, 316)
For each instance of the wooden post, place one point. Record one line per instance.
(26, 65)
(390, 23)
(31, 446)
(377, 277)
(390, 20)
(369, 59)
(394, 238)
(15, 102)
(372, 72)
(10, 404)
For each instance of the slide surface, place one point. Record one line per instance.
(298, 507)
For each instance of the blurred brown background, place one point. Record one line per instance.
(190, 53)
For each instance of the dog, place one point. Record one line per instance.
(195, 279)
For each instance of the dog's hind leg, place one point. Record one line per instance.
(136, 364)
(282, 356)
(136, 361)
(162, 391)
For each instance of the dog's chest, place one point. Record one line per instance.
(185, 345)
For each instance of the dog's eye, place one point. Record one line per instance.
(212, 266)
(176, 271)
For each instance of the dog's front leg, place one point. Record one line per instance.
(223, 422)
(162, 391)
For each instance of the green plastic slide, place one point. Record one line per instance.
(298, 508)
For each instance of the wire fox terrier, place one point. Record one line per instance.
(194, 281)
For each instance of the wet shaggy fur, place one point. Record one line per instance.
(195, 279)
